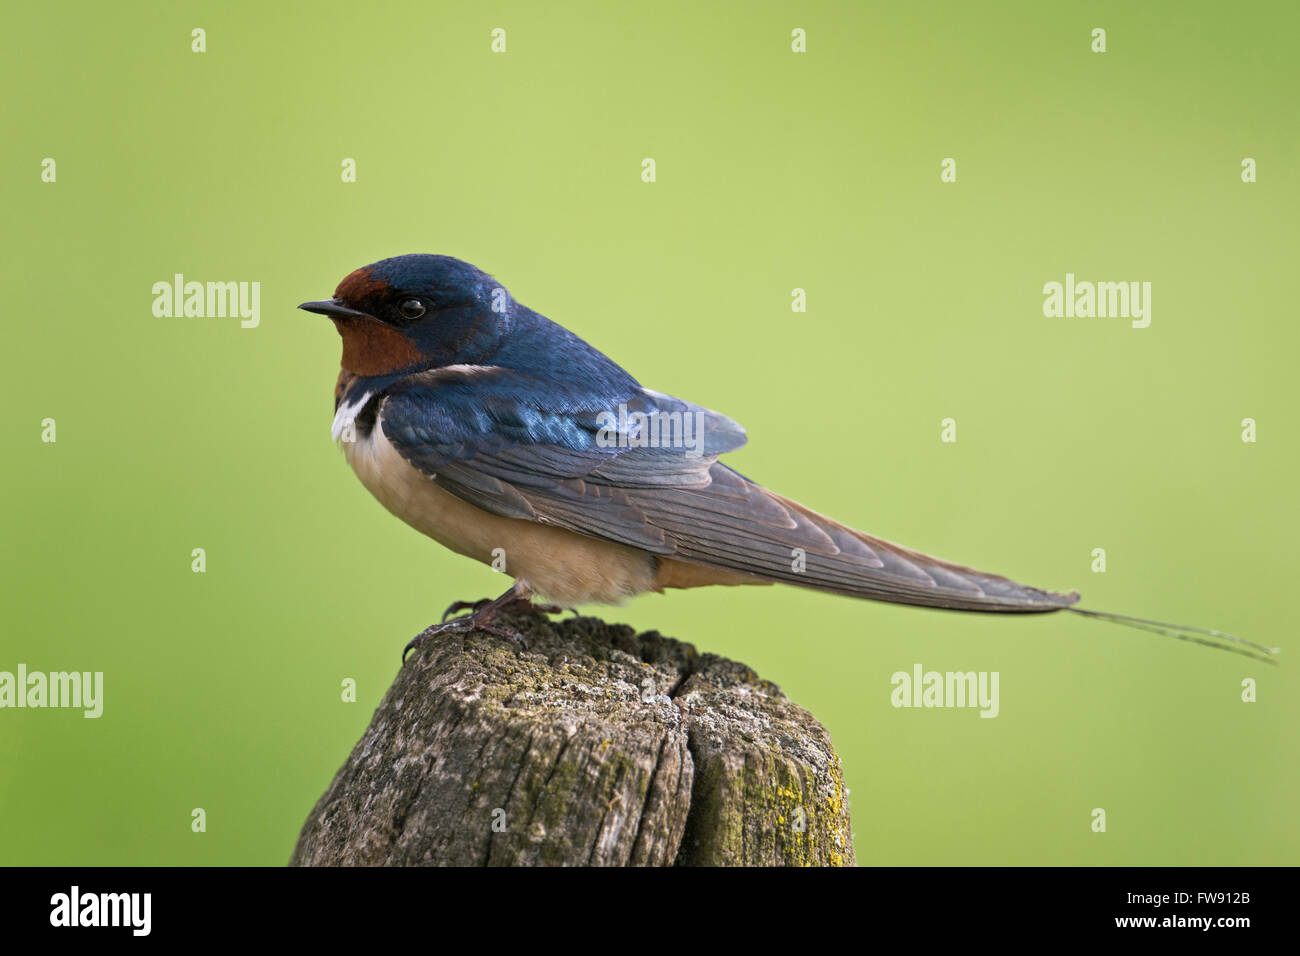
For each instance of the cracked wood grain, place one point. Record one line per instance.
(595, 746)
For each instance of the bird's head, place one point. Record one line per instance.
(417, 312)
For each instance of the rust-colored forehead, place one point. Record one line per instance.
(359, 285)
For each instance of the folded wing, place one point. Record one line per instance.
(598, 465)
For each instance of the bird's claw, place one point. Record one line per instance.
(520, 605)
(480, 619)
(466, 623)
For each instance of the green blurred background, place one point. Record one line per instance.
(775, 170)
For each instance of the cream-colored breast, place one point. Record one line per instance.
(559, 565)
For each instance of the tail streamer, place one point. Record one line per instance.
(1221, 640)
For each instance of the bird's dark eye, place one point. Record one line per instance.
(411, 308)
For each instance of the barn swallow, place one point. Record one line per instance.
(510, 440)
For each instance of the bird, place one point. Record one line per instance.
(510, 440)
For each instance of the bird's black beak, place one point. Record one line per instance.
(334, 309)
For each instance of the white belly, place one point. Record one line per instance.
(559, 565)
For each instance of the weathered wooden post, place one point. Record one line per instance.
(596, 745)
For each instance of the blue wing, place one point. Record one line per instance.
(594, 461)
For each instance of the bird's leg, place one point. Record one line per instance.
(517, 599)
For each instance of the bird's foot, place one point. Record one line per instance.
(458, 606)
(470, 622)
(516, 604)
(482, 617)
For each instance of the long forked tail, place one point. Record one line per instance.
(1220, 640)
(734, 524)
(942, 584)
